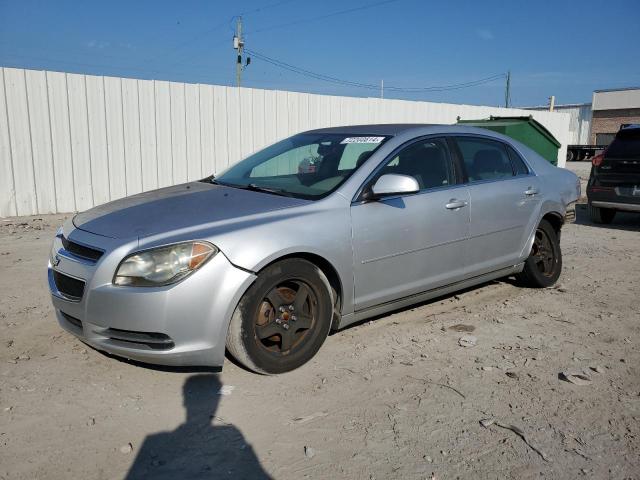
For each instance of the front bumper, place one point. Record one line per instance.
(178, 325)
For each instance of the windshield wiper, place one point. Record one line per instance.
(275, 191)
(209, 179)
(256, 188)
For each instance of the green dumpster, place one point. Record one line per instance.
(524, 129)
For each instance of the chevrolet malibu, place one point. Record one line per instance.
(316, 232)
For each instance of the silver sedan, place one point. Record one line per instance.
(316, 232)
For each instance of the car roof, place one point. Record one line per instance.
(391, 129)
(397, 129)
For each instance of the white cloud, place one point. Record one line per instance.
(485, 34)
(98, 44)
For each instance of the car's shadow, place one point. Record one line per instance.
(507, 280)
(622, 221)
(158, 368)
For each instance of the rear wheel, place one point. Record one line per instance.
(601, 215)
(542, 268)
(283, 318)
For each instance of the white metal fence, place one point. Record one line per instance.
(579, 121)
(69, 142)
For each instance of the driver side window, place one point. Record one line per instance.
(428, 161)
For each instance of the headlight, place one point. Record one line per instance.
(163, 265)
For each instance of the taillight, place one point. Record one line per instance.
(596, 161)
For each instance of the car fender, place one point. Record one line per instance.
(323, 232)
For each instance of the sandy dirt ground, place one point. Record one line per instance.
(394, 398)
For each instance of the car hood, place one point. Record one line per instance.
(173, 208)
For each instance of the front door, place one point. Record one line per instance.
(404, 245)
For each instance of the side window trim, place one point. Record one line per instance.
(461, 171)
(511, 148)
(375, 174)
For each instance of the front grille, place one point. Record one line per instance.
(155, 341)
(81, 250)
(68, 286)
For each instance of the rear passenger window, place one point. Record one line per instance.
(518, 164)
(484, 159)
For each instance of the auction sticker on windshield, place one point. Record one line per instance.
(362, 140)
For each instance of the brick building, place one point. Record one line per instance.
(610, 109)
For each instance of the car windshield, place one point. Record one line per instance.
(307, 165)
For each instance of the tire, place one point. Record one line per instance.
(601, 215)
(283, 319)
(570, 155)
(544, 264)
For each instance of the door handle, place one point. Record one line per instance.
(455, 204)
(529, 192)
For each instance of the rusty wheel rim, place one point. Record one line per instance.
(286, 317)
(543, 253)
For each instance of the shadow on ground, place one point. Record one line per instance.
(203, 447)
(622, 220)
(511, 280)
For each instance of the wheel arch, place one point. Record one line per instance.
(556, 220)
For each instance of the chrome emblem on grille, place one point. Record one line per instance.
(55, 261)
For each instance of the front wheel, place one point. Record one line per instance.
(544, 264)
(282, 320)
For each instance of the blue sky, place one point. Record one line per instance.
(561, 48)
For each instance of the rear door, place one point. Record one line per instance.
(504, 199)
(407, 244)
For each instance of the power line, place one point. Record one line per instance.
(321, 17)
(265, 7)
(172, 50)
(369, 86)
(177, 47)
(201, 34)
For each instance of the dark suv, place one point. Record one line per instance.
(614, 183)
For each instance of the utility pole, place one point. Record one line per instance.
(382, 88)
(507, 91)
(238, 44)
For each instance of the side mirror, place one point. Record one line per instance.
(394, 184)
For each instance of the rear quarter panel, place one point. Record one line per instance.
(557, 186)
